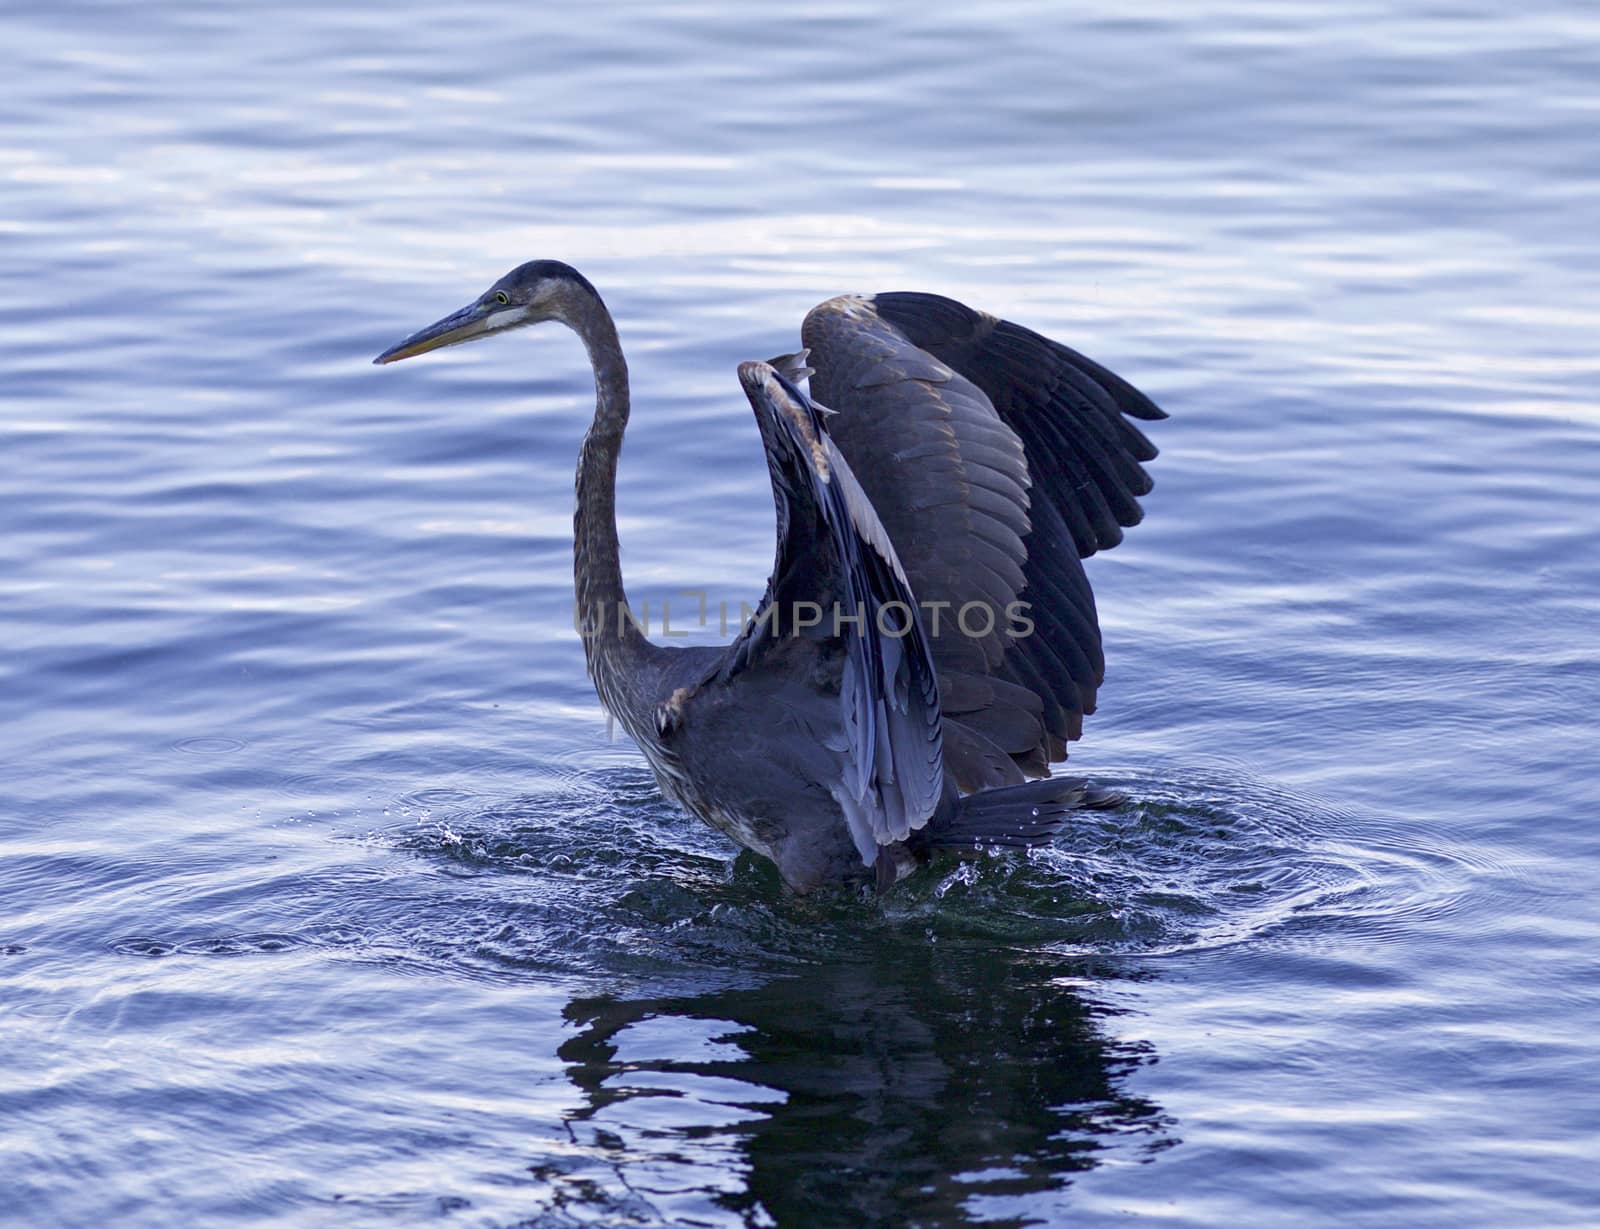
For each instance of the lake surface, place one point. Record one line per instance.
(327, 898)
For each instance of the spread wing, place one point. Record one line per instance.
(997, 460)
(835, 562)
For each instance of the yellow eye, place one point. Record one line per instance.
(501, 297)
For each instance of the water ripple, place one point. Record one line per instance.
(328, 900)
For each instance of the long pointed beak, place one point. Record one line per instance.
(465, 325)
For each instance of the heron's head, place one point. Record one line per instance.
(539, 290)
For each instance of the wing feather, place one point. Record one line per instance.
(834, 550)
(997, 460)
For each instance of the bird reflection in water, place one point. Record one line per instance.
(900, 1086)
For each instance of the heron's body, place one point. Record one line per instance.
(928, 640)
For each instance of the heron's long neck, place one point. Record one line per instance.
(611, 639)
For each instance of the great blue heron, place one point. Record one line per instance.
(928, 640)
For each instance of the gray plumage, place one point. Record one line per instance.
(928, 639)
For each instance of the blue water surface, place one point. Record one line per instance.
(329, 901)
